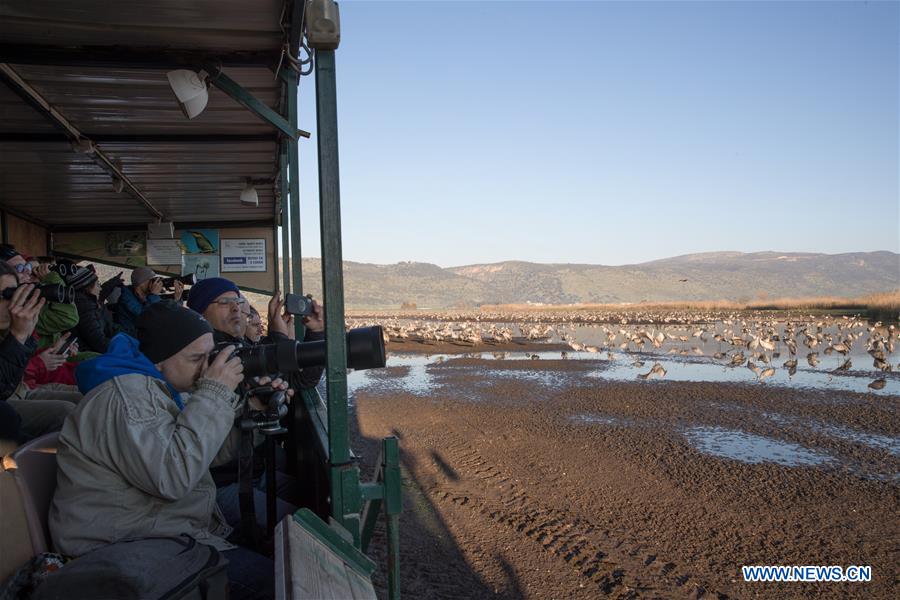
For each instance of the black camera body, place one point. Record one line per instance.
(267, 421)
(169, 282)
(298, 305)
(365, 350)
(52, 292)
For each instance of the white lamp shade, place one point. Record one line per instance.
(249, 195)
(190, 90)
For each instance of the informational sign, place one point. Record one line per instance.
(129, 247)
(202, 266)
(242, 255)
(126, 243)
(200, 241)
(163, 252)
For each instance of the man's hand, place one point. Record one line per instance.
(24, 310)
(179, 290)
(315, 321)
(156, 286)
(40, 271)
(277, 323)
(226, 369)
(276, 384)
(51, 357)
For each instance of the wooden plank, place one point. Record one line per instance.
(308, 568)
(360, 587)
(28, 238)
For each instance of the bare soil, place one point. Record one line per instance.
(509, 492)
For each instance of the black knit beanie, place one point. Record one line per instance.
(7, 252)
(164, 329)
(76, 276)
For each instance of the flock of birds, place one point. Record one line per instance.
(753, 340)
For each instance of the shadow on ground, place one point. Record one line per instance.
(432, 565)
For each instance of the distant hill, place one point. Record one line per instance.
(707, 276)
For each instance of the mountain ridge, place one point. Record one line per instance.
(723, 275)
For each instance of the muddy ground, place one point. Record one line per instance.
(586, 488)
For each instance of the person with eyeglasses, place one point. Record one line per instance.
(253, 333)
(220, 302)
(56, 318)
(38, 411)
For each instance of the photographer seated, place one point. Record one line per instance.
(219, 301)
(55, 317)
(42, 410)
(134, 457)
(145, 290)
(95, 323)
(48, 374)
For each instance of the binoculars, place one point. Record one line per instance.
(52, 292)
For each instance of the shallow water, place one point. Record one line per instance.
(750, 448)
(873, 440)
(419, 375)
(708, 371)
(426, 375)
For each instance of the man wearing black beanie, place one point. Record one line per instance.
(220, 302)
(134, 457)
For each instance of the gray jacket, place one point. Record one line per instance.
(131, 464)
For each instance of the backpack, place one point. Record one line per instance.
(141, 569)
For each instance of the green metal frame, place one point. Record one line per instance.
(385, 489)
(323, 454)
(250, 102)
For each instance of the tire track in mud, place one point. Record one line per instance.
(626, 568)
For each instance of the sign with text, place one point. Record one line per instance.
(243, 255)
(163, 252)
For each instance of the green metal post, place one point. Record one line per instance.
(333, 276)
(276, 258)
(294, 182)
(285, 218)
(393, 505)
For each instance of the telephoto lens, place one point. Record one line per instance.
(169, 282)
(365, 350)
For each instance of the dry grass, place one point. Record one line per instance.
(886, 301)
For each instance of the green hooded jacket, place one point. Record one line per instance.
(55, 318)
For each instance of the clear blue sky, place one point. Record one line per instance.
(611, 133)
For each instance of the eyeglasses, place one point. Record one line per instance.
(23, 268)
(229, 302)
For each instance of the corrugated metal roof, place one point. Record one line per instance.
(224, 25)
(190, 170)
(187, 182)
(140, 101)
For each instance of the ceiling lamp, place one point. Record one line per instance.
(249, 195)
(190, 89)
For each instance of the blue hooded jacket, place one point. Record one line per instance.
(123, 357)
